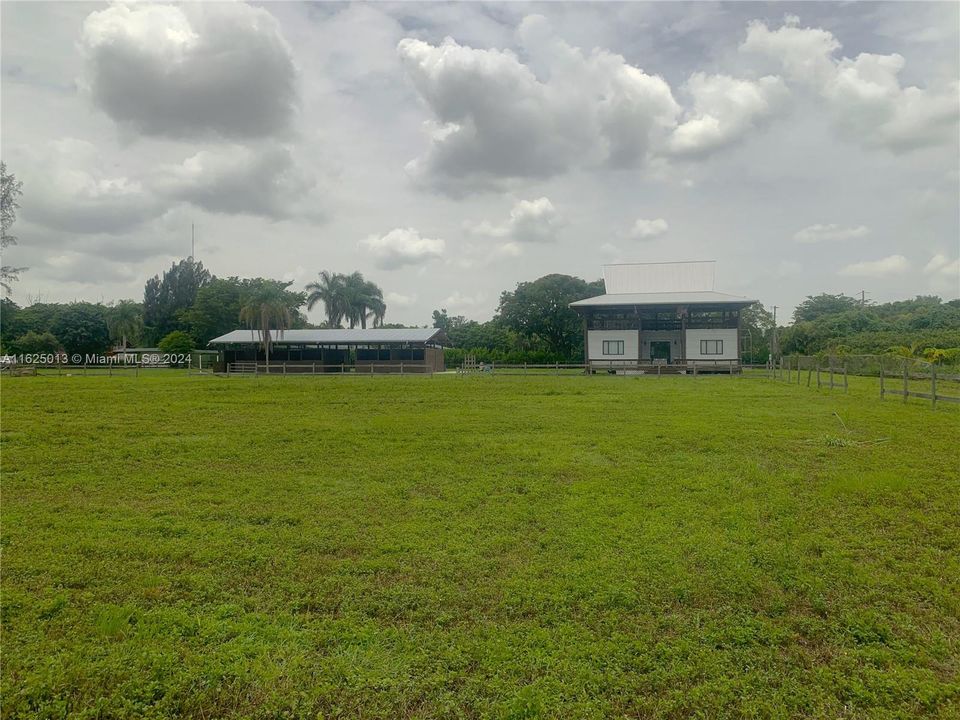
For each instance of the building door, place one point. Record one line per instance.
(660, 351)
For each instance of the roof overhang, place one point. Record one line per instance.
(664, 299)
(339, 336)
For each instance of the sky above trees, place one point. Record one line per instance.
(450, 151)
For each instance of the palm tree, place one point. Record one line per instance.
(267, 307)
(125, 321)
(329, 291)
(347, 297)
(378, 311)
(374, 306)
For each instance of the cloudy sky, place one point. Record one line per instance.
(449, 151)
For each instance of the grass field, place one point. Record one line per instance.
(507, 547)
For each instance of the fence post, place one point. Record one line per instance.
(933, 385)
(401, 367)
(284, 369)
(883, 390)
(831, 371)
(906, 385)
(845, 387)
(809, 374)
(819, 384)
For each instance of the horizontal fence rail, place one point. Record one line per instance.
(690, 367)
(262, 368)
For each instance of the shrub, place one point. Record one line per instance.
(176, 343)
(33, 343)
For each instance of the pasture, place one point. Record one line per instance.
(467, 547)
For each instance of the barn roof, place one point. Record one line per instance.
(337, 336)
(662, 283)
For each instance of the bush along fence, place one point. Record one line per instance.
(905, 377)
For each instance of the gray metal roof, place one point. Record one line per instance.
(336, 336)
(663, 298)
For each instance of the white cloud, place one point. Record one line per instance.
(459, 300)
(187, 70)
(805, 54)
(648, 229)
(529, 221)
(863, 94)
(495, 118)
(402, 246)
(396, 299)
(877, 268)
(71, 189)
(942, 265)
(829, 233)
(725, 109)
(237, 180)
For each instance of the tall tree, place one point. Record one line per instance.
(82, 328)
(816, 306)
(164, 299)
(125, 322)
(756, 324)
(267, 307)
(218, 304)
(330, 291)
(347, 297)
(10, 191)
(540, 311)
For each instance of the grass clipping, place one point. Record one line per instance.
(845, 440)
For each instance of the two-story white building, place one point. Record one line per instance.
(662, 314)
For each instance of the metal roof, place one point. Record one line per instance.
(664, 298)
(660, 277)
(336, 336)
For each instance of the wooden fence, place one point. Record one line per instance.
(897, 375)
(283, 369)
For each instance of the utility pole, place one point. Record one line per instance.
(774, 350)
(193, 241)
(863, 298)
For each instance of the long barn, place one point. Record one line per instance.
(364, 350)
(665, 314)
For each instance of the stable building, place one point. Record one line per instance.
(662, 315)
(376, 350)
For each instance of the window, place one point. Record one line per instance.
(711, 347)
(613, 347)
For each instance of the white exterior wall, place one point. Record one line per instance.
(595, 340)
(728, 335)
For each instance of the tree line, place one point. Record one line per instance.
(923, 327)
(184, 308)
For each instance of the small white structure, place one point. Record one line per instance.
(661, 314)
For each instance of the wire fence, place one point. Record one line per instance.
(905, 377)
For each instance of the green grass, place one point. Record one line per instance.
(507, 547)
